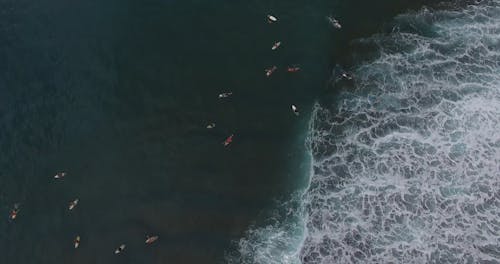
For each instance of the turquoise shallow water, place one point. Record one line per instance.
(118, 94)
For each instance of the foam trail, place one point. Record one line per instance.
(406, 168)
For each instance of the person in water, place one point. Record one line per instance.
(270, 71)
(334, 22)
(271, 19)
(276, 45)
(77, 241)
(73, 204)
(295, 110)
(228, 140)
(120, 249)
(225, 95)
(151, 239)
(346, 76)
(60, 175)
(14, 212)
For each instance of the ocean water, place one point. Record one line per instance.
(118, 94)
(406, 158)
(398, 166)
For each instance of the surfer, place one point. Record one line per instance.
(211, 125)
(334, 22)
(73, 204)
(14, 212)
(120, 249)
(271, 19)
(77, 241)
(346, 75)
(228, 140)
(295, 110)
(60, 175)
(225, 95)
(151, 239)
(270, 71)
(293, 69)
(276, 45)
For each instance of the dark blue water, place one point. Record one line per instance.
(118, 94)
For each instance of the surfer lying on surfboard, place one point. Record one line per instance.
(334, 22)
(228, 140)
(60, 175)
(120, 249)
(77, 241)
(295, 110)
(151, 239)
(73, 204)
(225, 95)
(14, 212)
(270, 71)
(276, 45)
(271, 19)
(346, 76)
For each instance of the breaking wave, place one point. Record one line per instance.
(405, 166)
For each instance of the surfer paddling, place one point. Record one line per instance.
(270, 71)
(334, 22)
(295, 110)
(151, 239)
(228, 140)
(225, 95)
(346, 75)
(293, 69)
(14, 212)
(120, 249)
(276, 45)
(77, 241)
(73, 204)
(60, 175)
(271, 19)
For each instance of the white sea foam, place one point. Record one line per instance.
(276, 243)
(406, 168)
